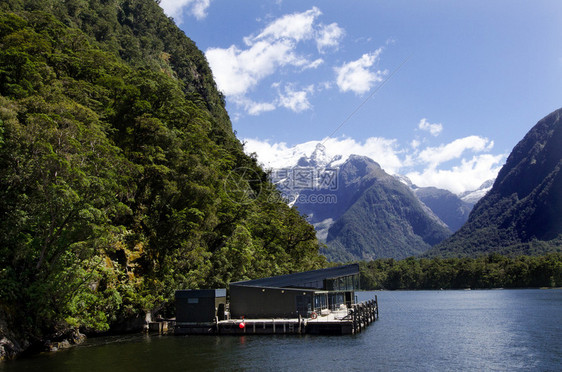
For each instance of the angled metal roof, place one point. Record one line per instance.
(302, 279)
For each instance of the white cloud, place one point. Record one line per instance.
(175, 8)
(296, 26)
(433, 129)
(466, 173)
(254, 108)
(278, 155)
(382, 150)
(295, 100)
(237, 71)
(469, 175)
(199, 9)
(454, 150)
(329, 37)
(357, 76)
(314, 64)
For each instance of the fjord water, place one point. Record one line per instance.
(506, 330)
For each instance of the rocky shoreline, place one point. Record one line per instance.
(11, 347)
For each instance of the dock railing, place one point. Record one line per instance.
(362, 314)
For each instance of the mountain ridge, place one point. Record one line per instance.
(359, 190)
(385, 220)
(340, 182)
(522, 213)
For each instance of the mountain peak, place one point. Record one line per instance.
(358, 167)
(318, 159)
(362, 158)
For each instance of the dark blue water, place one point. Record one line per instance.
(494, 330)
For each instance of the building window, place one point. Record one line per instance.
(320, 301)
(335, 300)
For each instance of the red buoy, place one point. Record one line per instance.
(242, 325)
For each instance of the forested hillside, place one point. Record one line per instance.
(121, 178)
(485, 271)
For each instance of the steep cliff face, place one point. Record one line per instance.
(121, 179)
(522, 213)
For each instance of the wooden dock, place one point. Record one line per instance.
(339, 322)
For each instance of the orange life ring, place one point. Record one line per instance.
(314, 315)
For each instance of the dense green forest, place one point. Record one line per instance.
(121, 178)
(486, 271)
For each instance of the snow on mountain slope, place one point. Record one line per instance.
(473, 196)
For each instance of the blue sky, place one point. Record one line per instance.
(440, 91)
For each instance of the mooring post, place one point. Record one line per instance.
(359, 317)
(354, 317)
(363, 315)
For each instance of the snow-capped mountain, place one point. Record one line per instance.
(313, 172)
(473, 196)
(359, 210)
(362, 212)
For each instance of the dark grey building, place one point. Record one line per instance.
(288, 296)
(200, 305)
